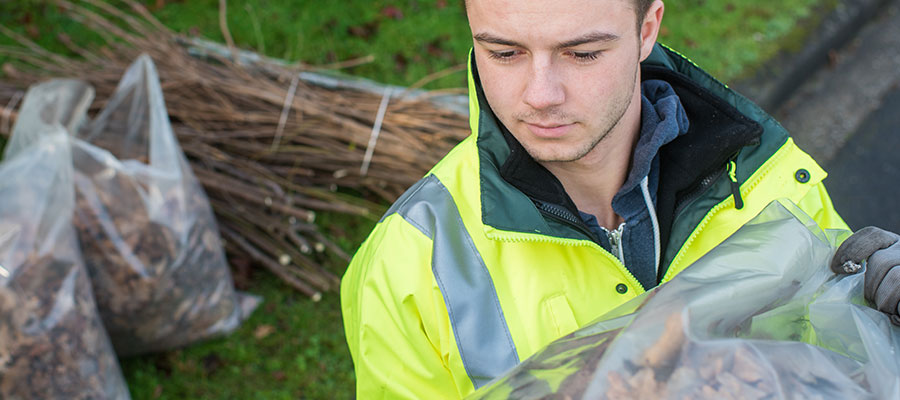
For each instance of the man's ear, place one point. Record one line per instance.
(650, 27)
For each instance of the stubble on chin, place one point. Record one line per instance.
(606, 127)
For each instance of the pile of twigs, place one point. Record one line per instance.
(269, 149)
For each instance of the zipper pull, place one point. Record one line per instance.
(615, 242)
(735, 186)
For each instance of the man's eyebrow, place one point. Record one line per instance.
(589, 38)
(489, 38)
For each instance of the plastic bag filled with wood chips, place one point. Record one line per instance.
(52, 341)
(147, 231)
(761, 316)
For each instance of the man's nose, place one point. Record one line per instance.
(544, 88)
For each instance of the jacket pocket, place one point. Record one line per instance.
(561, 314)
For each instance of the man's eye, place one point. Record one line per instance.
(503, 55)
(585, 55)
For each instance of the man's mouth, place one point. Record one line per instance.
(548, 130)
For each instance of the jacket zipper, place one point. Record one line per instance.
(760, 174)
(565, 216)
(730, 169)
(615, 241)
(705, 183)
(735, 185)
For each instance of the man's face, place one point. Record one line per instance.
(560, 74)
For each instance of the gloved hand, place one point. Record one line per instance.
(880, 250)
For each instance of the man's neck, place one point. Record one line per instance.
(593, 180)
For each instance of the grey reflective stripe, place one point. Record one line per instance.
(482, 336)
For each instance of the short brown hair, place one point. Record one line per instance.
(642, 7)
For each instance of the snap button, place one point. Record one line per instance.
(802, 175)
(621, 288)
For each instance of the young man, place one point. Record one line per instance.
(599, 166)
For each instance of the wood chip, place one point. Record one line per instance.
(52, 342)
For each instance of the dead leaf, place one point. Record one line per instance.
(392, 13)
(32, 31)
(833, 58)
(434, 48)
(279, 376)
(262, 331)
(400, 62)
(364, 31)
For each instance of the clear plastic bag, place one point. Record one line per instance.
(759, 317)
(146, 228)
(52, 341)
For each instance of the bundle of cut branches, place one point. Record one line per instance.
(270, 149)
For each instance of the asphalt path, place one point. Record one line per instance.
(864, 176)
(847, 116)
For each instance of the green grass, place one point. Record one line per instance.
(731, 39)
(306, 356)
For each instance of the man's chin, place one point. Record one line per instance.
(560, 156)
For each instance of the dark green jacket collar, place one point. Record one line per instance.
(723, 125)
(514, 187)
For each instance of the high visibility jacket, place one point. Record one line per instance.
(484, 261)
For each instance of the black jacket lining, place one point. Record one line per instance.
(717, 132)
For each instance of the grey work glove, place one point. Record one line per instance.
(880, 250)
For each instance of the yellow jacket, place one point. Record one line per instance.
(471, 271)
